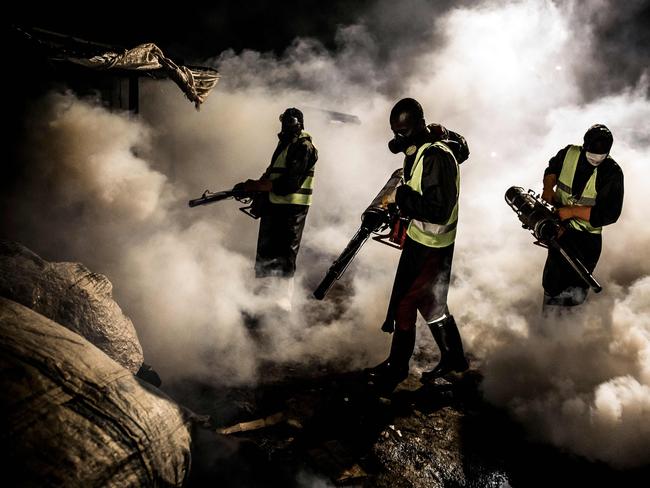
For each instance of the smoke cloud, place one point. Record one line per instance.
(111, 190)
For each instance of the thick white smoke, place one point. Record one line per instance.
(579, 381)
(505, 75)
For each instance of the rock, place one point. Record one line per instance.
(433, 450)
(74, 417)
(427, 457)
(73, 296)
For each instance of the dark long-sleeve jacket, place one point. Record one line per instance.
(281, 225)
(428, 267)
(609, 185)
(301, 157)
(439, 193)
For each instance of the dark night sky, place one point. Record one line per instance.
(200, 32)
(197, 33)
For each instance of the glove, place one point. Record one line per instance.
(548, 196)
(257, 185)
(402, 192)
(393, 209)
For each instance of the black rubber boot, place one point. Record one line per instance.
(388, 374)
(452, 358)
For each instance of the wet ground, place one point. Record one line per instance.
(328, 428)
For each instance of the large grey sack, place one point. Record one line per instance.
(73, 296)
(75, 418)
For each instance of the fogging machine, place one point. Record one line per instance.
(378, 217)
(247, 198)
(541, 219)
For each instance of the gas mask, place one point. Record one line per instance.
(595, 159)
(399, 144)
(290, 125)
(405, 142)
(291, 120)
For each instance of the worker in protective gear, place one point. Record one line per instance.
(586, 186)
(286, 193)
(429, 198)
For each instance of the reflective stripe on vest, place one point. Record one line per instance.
(279, 166)
(426, 233)
(564, 193)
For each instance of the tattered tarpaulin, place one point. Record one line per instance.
(196, 83)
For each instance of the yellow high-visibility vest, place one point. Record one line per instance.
(426, 233)
(564, 193)
(279, 166)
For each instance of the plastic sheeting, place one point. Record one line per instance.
(196, 82)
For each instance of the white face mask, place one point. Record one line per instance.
(595, 159)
